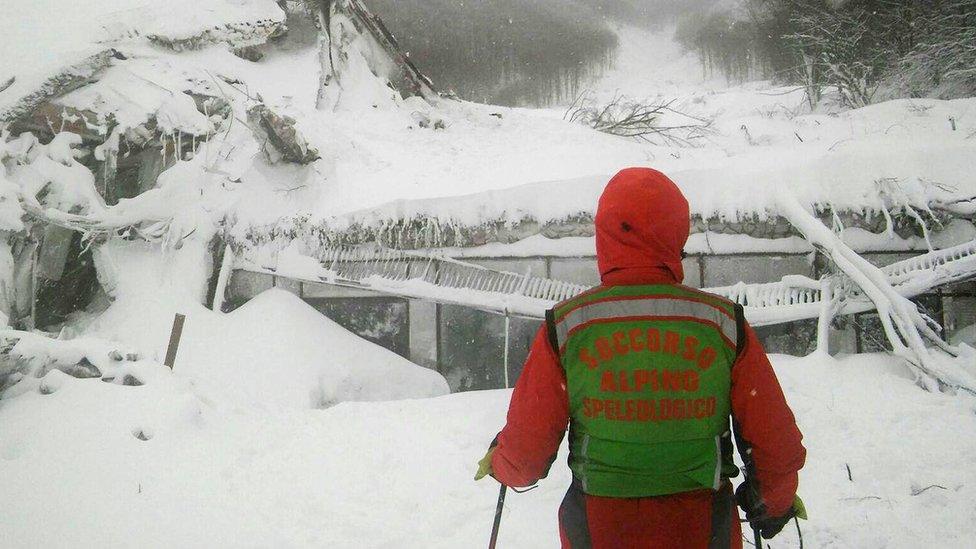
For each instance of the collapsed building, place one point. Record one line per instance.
(745, 259)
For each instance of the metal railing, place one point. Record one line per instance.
(445, 280)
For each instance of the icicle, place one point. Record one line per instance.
(838, 223)
(226, 267)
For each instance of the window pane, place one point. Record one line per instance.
(382, 320)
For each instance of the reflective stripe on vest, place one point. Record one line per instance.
(648, 372)
(657, 306)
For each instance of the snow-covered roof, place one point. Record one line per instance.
(852, 177)
(866, 184)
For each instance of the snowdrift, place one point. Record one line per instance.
(846, 181)
(868, 163)
(275, 351)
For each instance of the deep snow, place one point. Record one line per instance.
(399, 474)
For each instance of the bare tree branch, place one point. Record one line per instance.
(628, 118)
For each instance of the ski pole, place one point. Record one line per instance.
(498, 516)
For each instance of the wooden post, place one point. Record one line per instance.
(174, 340)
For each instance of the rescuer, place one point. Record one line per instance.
(651, 376)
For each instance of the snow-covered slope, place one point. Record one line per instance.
(763, 138)
(889, 466)
(648, 64)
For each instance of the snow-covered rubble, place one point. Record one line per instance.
(485, 164)
(52, 171)
(45, 38)
(274, 352)
(492, 165)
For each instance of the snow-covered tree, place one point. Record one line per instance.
(360, 61)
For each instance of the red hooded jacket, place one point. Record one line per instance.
(642, 224)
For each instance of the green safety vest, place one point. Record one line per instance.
(648, 372)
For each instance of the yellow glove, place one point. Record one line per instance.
(799, 510)
(484, 466)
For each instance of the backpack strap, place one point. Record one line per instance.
(740, 330)
(551, 331)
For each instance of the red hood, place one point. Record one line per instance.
(642, 222)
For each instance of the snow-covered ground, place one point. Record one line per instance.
(652, 64)
(889, 466)
(260, 437)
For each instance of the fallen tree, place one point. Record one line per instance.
(905, 327)
(354, 47)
